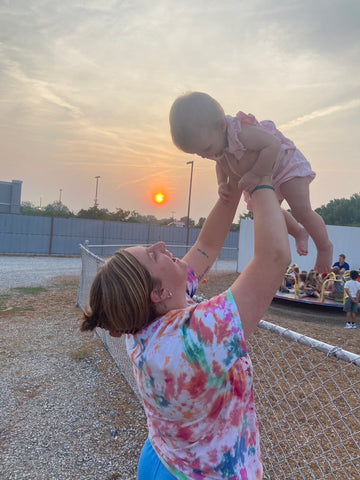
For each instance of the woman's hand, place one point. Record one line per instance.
(230, 190)
(249, 181)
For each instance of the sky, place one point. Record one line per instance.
(86, 87)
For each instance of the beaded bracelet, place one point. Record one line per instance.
(259, 187)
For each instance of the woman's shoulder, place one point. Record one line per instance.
(218, 312)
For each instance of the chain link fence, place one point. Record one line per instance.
(307, 397)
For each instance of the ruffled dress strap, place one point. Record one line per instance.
(248, 119)
(233, 124)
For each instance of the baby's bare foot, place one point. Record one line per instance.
(324, 260)
(301, 242)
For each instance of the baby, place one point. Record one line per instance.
(245, 150)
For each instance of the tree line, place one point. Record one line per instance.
(341, 211)
(58, 209)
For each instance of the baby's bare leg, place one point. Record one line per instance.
(296, 193)
(299, 233)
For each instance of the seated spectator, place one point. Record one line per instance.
(343, 266)
(302, 280)
(335, 287)
(290, 280)
(294, 269)
(312, 285)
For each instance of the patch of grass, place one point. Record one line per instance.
(81, 353)
(30, 290)
(4, 296)
(4, 309)
(66, 284)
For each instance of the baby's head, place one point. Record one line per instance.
(198, 124)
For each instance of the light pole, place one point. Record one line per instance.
(188, 213)
(96, 192)
(60, 192)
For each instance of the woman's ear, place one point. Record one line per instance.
(158, 295)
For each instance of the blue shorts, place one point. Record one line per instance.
(150, 466)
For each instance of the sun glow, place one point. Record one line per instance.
(159, 197)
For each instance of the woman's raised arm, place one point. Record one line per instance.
(213, 234)
(255, 288)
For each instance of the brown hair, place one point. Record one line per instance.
(302, 276)
(120, 296)
(190, 113)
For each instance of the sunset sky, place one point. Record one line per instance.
(86, 87)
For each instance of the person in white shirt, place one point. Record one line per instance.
(352, 289)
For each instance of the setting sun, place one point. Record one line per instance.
(159, 197)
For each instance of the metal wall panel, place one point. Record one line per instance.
(25, 234)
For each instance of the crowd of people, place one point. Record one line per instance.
(341, 285)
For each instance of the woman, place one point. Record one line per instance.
(190, 360)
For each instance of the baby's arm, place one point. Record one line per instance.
(220, 174)
(224, 179)
(257, 139)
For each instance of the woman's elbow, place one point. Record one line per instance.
(282, 257)
(278, 257)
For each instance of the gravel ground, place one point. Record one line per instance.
(20, 271)
(66, 411)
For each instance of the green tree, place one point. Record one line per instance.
(341, 211)
(201, 222)
(57, 209)
(134, 217)
(165, 221)
(191, 221)
(248, 215)
(28, 208)
(94, 213)
(148, 219)
(120, 215)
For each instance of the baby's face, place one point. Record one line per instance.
(210, 143)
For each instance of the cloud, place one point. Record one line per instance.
(321, 113)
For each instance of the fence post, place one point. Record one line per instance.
(51, 234)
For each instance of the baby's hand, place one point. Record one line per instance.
(249, 181)
(229, 191)
(224, 191)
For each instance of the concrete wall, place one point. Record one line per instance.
(346, 240)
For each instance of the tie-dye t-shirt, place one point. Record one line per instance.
(195, 380)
